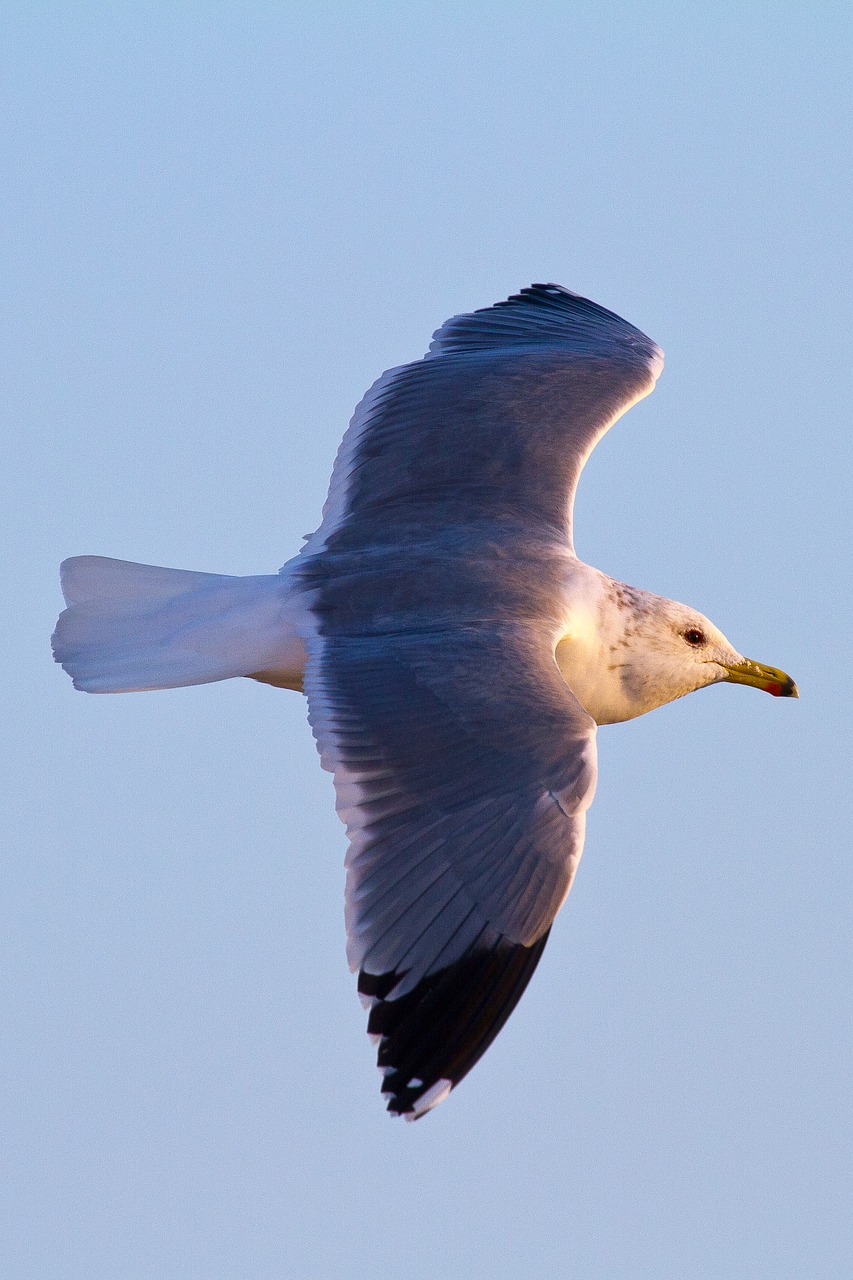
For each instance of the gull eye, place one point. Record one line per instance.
(695, 637)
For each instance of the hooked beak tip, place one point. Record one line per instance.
(770, 679)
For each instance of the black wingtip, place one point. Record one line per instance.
(556, 297)
(432, 1036)
(546, 315)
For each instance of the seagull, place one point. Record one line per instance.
(456, 655)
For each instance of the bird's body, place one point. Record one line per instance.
(456, 657)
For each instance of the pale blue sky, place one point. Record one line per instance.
(222, 222)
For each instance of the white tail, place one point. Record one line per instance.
(135, 626)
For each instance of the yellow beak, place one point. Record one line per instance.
(770, 679)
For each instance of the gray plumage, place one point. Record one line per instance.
(463, 762)
(455, 654)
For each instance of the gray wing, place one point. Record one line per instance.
(498, 418)
(463, 764)
(463, 767)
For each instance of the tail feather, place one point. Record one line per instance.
(136, 626)
(86, 578)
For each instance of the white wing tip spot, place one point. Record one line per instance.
(430, 1099)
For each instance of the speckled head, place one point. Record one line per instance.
(639, 651)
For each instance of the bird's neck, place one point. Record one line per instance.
(594, 651)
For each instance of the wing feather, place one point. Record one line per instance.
(463, 764)
(499, 417)
(463, 770)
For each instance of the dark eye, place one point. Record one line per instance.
(695, 637)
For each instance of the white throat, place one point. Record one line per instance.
(588, 650)
(619, 650)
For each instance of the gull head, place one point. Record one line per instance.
(643, 651)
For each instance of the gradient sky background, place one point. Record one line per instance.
(222, 222)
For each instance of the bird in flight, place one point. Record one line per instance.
(456, 656)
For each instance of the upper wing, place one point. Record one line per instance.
(463, 764)
(463, 768)
(499, 417)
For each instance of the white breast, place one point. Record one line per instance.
(592, 650)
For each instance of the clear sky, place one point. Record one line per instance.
(221, 223)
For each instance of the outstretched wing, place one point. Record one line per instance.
(498, 418)
(463, 766)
